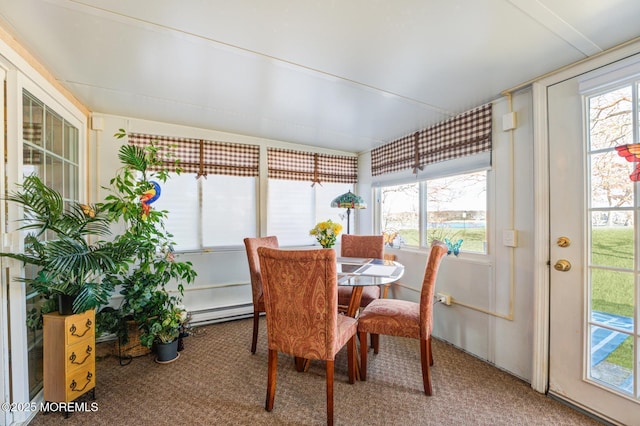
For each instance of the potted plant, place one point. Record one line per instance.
(63, 245)
(162, 326)
(142, 281)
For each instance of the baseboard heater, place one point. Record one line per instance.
(221, 314)
(206, 317)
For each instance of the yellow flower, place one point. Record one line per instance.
(326, 233)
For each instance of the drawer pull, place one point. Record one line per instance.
(73, 329)
(73, 384)
(73, 356)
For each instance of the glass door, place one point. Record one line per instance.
(595, 274)
(50, 151)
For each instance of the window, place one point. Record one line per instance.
(218, 210)
(213, 202)
(301, 187)
(450, 208)
(294, 207)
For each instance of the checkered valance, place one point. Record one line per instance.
(313, 167)
(203, 157)
(466, 134)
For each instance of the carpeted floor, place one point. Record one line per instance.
(217, 381)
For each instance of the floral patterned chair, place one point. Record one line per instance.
(252, 244)
(366, 246)
(405, 319)
(301, 300)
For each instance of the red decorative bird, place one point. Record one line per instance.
(632, 153)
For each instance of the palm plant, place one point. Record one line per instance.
(58, 245)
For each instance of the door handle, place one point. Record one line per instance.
(562, 265)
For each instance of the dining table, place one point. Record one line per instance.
(359, 272)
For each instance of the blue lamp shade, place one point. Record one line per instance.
(349, 200)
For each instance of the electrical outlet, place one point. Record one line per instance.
(444, 298)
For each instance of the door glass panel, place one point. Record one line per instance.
(610, 183)
(56, 163)
(612, 238)
(612, 358)
(613, 267)
(611, 118)
(54, 141)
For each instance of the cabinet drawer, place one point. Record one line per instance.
(80, 382)
(79, 326)
(80, 355)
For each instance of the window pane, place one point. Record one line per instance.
(610, 183)
(291, 211)
(179, 196)
(400, 212)
(229, 209)
(54, 140)
(457, 209)
(325, 194)
(612, 239)
(610, 119)
(71, 143)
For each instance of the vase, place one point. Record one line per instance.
(167, 352)
(65, 304)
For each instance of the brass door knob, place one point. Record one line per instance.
(562, 265)
(563, 242)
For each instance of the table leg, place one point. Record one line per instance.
(354, 302)
(352, 311)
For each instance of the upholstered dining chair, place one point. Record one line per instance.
(301, 301)
(405, 319)
(365, 246)
(252, 244)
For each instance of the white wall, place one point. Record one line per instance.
(487, 286)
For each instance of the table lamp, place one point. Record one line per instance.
(348, 201)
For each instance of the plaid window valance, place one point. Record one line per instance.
(466, 134)
(203, 157)
(312, 167)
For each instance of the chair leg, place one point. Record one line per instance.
(256, 321)
(329, 392)
(363, 355)
(271, 379)
(424, 361)
(351, 362)
(375, 342)
(430, 351)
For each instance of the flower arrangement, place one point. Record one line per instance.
(326, 233)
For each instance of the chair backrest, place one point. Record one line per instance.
(438, 251)
(301, 301)
(252, 244)
(362, 246)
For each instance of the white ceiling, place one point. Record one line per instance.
(341, 74)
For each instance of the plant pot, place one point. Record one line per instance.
(65, 304)
(167, 352)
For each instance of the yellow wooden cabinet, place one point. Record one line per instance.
(69, 355)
